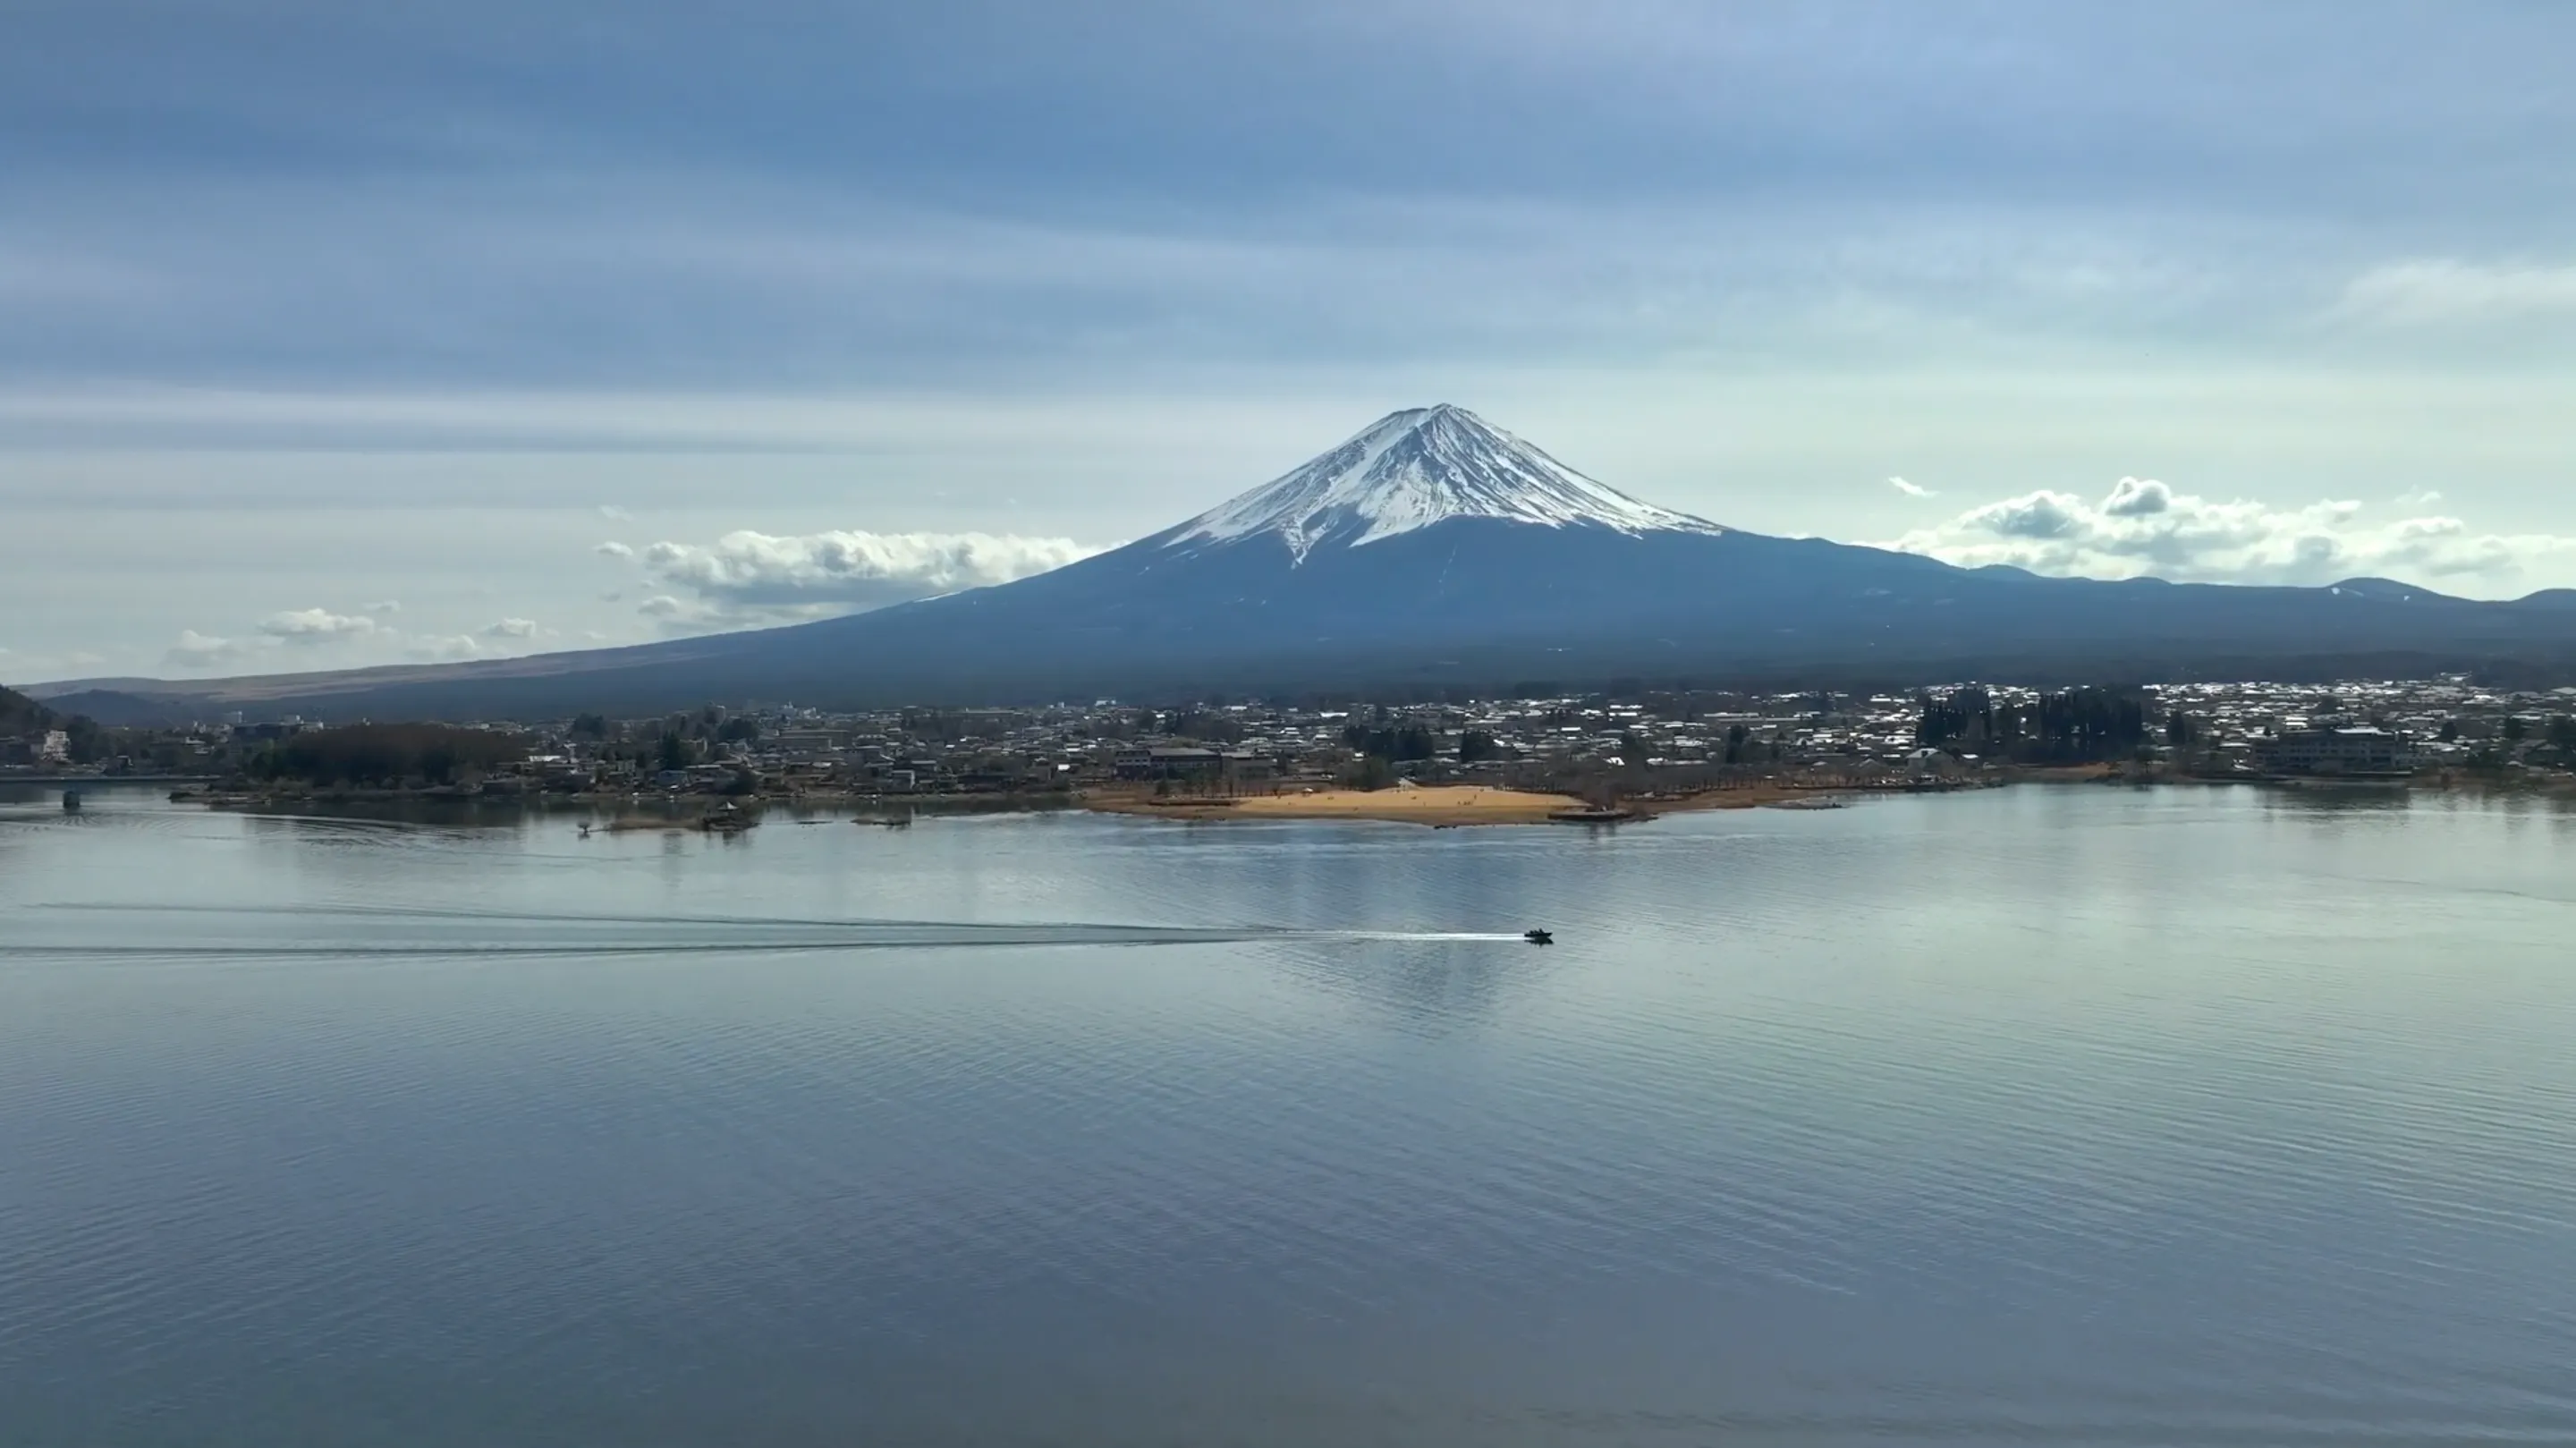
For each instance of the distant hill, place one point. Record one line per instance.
(22, 715)
(1433, 552)
(119, 710)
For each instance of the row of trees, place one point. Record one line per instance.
(1414, 742)
(2070, 726)
(1381, 749)
(387, 755)
(1407, 743)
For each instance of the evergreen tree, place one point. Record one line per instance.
(675, 752)
(1412, 742)
(2074, 725)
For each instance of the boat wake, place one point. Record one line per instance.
(427, 931)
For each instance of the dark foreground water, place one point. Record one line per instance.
(2041, 1116)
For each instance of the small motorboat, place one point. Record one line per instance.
(1539, 937)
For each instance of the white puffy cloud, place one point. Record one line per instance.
(316, 625)
(842, 570)
(1911, 490)
(683, 617)
(2144, 528)
(614, 550)
(446, 650)
(375, 640)
(2439, 291)
(199, 651)
(2136, 498)
(677, 617)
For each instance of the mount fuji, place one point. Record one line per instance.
(1433, 551)
(1417, 469)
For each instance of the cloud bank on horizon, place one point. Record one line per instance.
(746, 578)
(311, 640)
(2143, 529)
(318, 303)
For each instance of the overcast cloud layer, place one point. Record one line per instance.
(307, 309)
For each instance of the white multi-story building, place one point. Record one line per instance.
(2354, 751)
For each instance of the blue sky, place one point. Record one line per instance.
(338, 334)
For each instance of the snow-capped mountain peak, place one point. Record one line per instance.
(1418, 467)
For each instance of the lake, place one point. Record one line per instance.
(2040, 1115)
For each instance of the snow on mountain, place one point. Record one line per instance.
(1418, 467)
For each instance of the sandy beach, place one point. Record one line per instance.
(1447, 804)
(1439, 805)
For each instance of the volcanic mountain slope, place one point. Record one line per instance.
(1434, 550)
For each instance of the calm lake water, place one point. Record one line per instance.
(2046, 1115)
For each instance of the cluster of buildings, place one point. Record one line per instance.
(1250, 746)
(194, 751)
(2383, 728)
(1657, 742)
(47, 748)
(43, 749)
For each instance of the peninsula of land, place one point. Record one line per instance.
(1449, 805)
(1444, 805)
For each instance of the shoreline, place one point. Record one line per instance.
(1432, 806)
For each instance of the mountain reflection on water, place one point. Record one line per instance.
(2036, 1115)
